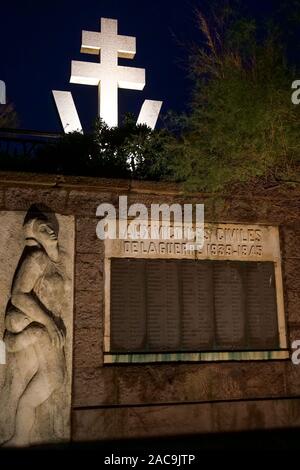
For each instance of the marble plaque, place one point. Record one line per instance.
(222, 241)
(234, 242)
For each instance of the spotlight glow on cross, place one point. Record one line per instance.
(108, 75)
(67, 111)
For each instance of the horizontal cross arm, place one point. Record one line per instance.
(126, 46)
(85, 73)
(93, 42)
(131, 78)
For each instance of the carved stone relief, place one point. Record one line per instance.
(36, 313)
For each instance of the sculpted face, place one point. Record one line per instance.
(42, 232)
(45, 232)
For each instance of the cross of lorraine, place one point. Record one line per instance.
(108, 76)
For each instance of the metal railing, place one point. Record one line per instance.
(25, 142)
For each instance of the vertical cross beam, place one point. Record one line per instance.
(108, 75)
(107, 88)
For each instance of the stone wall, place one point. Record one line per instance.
(164, 399)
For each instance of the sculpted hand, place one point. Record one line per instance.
(56, 335)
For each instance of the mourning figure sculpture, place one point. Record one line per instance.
(34, 330)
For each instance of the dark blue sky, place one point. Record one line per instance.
(38, 40)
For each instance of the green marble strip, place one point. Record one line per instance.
(195, 357)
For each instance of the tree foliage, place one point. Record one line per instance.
(128, 151)
(242, 124)
(8, 116)
(135, 150)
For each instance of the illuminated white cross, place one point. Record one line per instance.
(108, 75)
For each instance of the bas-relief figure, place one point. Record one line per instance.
(35, 395)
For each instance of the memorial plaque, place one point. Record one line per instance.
(197, 305)
(163, 307)
(185, 305)
(128, 320)
(229, 305)
(225, 297)
(261, 305)
(221, 242)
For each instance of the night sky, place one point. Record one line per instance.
(38, 40)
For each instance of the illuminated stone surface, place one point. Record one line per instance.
(108, 75)
(2, 92)
(149, 113)
(67, 111)
(36, 320)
